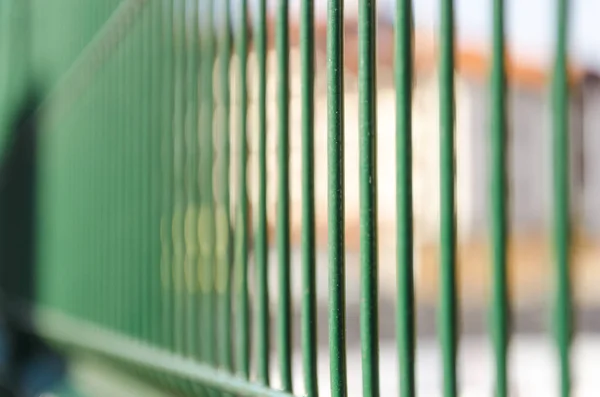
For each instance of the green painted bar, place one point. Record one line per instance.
(309, 288)
(335, 198)
(223, 217)
(367, 109)
(138, 202)
(144, 140)
(243, 307)
(167, 80)
(132, 202)
(118, 164)
(182, 323)
(120, 264)
(500, 304)
(113, 170)
(405, 316)
(125, 122)
(111, 254)
(104, 193)
(141, 191)
(179, 66)
(100, 194)
(156, 173)
(284, 326)
(129, 262)
(118, 245)
(191, 176)
(207, 219)
(262, 290)
(91, 198)
(448, 300)
(563, 316)
(128, 187)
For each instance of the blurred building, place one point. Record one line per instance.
(528, 147)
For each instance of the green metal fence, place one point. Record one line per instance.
(141, 256)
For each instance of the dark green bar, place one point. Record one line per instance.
(95, 264)
(112, 284)
(500, 305)
(207, 219)
(262, 291)
(130, 245)
(309, 290)
(179, 158)
(167, 78)
(145, 146)
(139, 197)
(404, 204)
(335, 160)
(448, 301)
(223, 281)
(560, 98)
(191, 177)
(367, 102)
(102, 192)
(243, 318)
(284, 319)
(121, 191)
(156, 172)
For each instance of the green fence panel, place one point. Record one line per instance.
(149, 253)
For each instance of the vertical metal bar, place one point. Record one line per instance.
(335, 159)
(95, 200)
(223, 276)
(114, 274)
(179, 156)
(192, 188)
(167, 174)
(243, 319)
(120, 187)
(206, 219)
(145, 140)
(283, 201)
(448, 300)
(156, 172)
(130, 188)
(500, 305)
(309, 289)
(86, 256)
(560, 98)
(103, 199)
(404, 204)
(367, 102)
(94, 177)
(262, 290)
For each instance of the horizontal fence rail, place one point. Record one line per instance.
(153, 226)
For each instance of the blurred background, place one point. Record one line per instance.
(530, 50)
